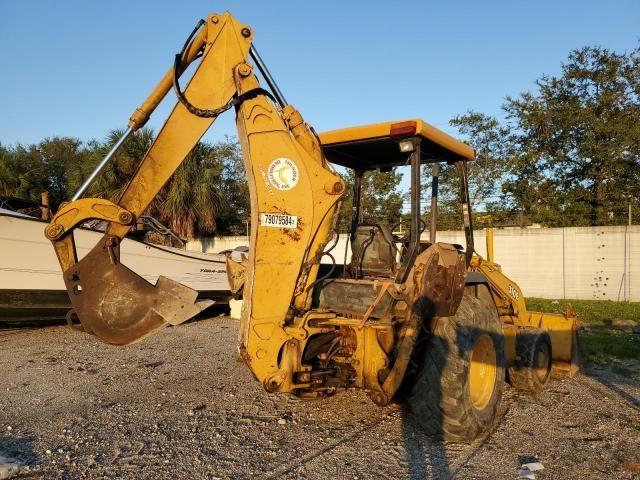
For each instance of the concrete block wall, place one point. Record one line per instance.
(216, 244)
(585, 263)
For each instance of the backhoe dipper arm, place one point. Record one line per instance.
(224, 45)
(294, 197)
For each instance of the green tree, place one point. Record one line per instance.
(576, 141)
(197, 199)
(567, 153)
(27, 171)
(192, 199)
(208, 192)
(235, 189)
(489, 139)
(19, 173)
(381, 199)
(114, 178)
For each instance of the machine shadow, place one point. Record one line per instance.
(16, 450)
(614, 388)
(427, 456)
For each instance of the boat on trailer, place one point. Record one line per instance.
(31, 284)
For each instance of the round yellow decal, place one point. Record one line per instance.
(283, 173)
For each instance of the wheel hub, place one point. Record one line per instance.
(483, 372)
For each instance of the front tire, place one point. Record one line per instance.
(459, 383)
(533, 361)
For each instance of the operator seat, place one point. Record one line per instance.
(373, 252)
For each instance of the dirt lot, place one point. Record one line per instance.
(181, 405)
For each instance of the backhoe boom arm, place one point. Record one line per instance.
(294, 196)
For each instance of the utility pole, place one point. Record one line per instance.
(45, 205)
(627, 262)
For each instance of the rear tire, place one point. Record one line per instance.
(459, 382)
(533, 361)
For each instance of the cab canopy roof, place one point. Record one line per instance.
(369, 147)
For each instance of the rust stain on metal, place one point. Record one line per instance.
(246, 358)
(293, 234)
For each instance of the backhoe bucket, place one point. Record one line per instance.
(120, 307)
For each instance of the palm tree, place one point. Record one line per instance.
(114, 178)
(192, 199)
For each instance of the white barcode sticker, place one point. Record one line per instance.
(278, 220)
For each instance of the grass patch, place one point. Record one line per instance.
(600, 344)
(589, 311)
(605, 347)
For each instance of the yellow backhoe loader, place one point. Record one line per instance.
(421, 321)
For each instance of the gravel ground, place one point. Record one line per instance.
(182, 405)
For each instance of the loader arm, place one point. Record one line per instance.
(294, 196)
(512, 309)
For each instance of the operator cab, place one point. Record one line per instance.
(376, 250)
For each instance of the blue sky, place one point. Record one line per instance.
(79, 67)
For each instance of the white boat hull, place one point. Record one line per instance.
(31, 284)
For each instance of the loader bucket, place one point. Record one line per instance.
(120, 307)
(563, 330)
